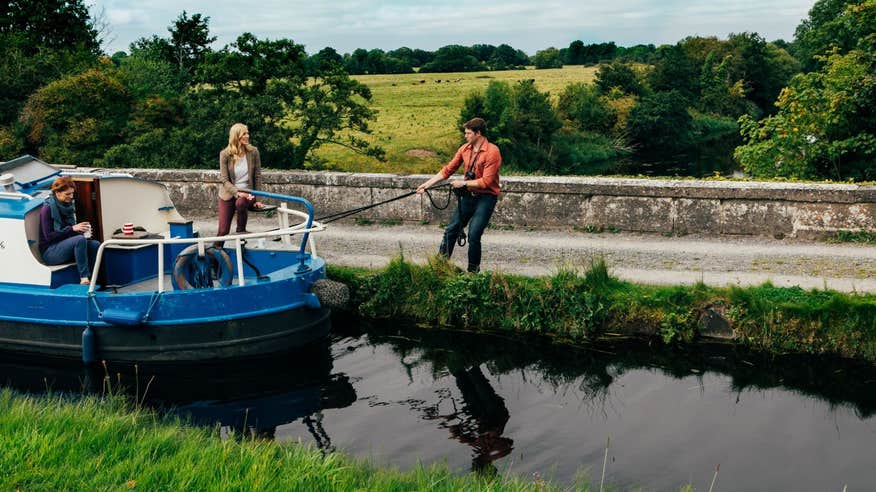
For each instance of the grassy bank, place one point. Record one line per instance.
(580, 305)
(106, 443)
(55, 443)
(417, 121)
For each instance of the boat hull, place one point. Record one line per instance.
(240, 338)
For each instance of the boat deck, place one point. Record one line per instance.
(151, 285)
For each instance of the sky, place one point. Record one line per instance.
(529, 25)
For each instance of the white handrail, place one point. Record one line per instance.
(286, 232)
(15, 194)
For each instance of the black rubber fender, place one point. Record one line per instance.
(191, 271)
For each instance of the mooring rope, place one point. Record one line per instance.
(354, 211)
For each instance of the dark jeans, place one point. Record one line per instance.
(474, 211)
(226, 212)
(84, 251)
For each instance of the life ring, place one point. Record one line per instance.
(191, 271)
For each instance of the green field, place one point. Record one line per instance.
(417, 116)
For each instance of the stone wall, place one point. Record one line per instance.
(641, 205)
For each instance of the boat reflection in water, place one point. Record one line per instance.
(244, 399)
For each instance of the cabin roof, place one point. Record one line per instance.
(28, 171)
(17, 208)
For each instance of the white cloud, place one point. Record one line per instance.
(430, 24)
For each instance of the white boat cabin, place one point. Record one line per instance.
(107, 201)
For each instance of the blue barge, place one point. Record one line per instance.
(164, 294)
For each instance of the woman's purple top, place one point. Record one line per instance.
(48, 234)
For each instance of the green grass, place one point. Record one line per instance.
(575, 305)
(422, 117)
(90, 443)
(865, 237)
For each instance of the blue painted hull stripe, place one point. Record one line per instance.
(181, 322)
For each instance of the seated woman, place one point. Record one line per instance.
(61, 238)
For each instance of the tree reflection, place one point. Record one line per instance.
(593, 367)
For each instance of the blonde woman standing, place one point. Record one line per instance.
(240, 167)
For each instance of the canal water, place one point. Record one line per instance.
(499, 404)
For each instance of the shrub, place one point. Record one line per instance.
(582, 106)
(11, 145)
(74, 120)
(618, 75)
(660, 123)
(520, 120)
(585, 153)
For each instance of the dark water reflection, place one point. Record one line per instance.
(679, 166)
(499, 405)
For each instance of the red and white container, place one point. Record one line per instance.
(128, 229)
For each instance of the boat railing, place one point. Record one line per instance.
(284, 232)
(15, 194)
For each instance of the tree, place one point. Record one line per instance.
(186, 48)
(190, 40)
(825, 126)
(411, 58)
(643, 53)
(582, 106)
(675, 70)
(756, 64)
(453, 58)
(327, 110)
(599, 53)
(74, 120)
(249, 63)
(41, 41)
(375, 60)
(483, 52)
(833, 24)
(25, 67)
(356, 62)
(267, 84)
(720, 94)
(506, 58)
(575, 53)
(660, 123)
(326, 59)
(520, 119)
(618, 75)
(63, 24)
(147, 77)
(490, 105)
(549, 58)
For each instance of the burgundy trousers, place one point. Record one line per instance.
(226, 212)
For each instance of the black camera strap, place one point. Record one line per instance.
(472, 161)
(459, 192)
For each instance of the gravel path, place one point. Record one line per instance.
(642, 258)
